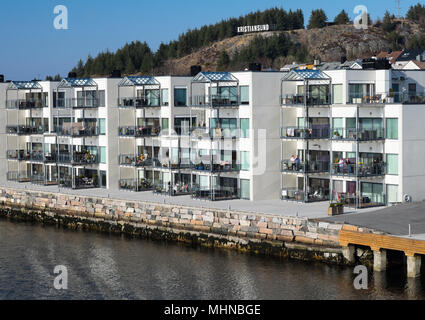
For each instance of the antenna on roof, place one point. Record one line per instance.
(398, 9)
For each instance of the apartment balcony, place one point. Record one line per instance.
(139, 102)
(135, 161)
(139, 131)
(40, 179)
(358, 171)
(302, 167)
(215, 101)
(294, 194)
(25, 104)
(78, 130)
(297, 100)
(37, 156)
(78, 158)
(19, 155)
(215, 133)
(135, 185)
(26, 130)
(16, 176)
(178, 189)
(362, 135)
(361, 202)
(217, 193)
(216, 167)
(78, 103)
(295, 133)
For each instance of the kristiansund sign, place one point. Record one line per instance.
(258, 28)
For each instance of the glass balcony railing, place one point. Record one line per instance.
(141, 131)
(16, 176)
(82, 158)
(361, 170)
(135, 185)
(301, 100)
(216, 167)
(387, 98)
(139, 102)
(216, 193)
(178, 189)
(78, 103)
(20, 155)
(352, 201)
(26, 130)
(305, 133)
(294, 194)
(357, 135)
(24, 104)
(78, 130)
(215, 101)
(318, 166)
(135, 161)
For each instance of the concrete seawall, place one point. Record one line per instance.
(291, 237)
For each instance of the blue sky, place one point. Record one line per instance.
(32, 47)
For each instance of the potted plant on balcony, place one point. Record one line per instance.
(335, 209)
(337, 135)
(390, 98)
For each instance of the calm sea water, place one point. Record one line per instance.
(111, 267)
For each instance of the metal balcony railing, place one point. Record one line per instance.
(305, 133)
(294, 194)
(16, 176)
(135, 184)
(216, 193)
(140, 131)
(301, 100)
(318, 166)
(139, 102)
(78, 103)
(24, 104)
(26, 130)
(83, 130)
(20, 155)
(361, 170)
(215, 101)
(137, 161)
(357, 135)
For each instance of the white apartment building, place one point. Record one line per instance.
(306, 135)
(358, 135)
(214, 136)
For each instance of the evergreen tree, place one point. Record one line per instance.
(387, 24)
(342, 18)
(416, 13)
(317, 19)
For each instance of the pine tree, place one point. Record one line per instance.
(387, 24)
(342, 18)
(317, 19)
(223, 61)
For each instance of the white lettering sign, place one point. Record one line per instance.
(259, 28)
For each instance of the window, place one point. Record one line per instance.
(244, 128)
(164, 97)
(180, 97)
(102, 126)
(164, 124)
(350, 123)
(337, 93)
(337, 127)
(103, 179)
(392, 129)
(372, 193)
(245, 189)
(102, 151)
(392, 164)
(338, 186)
(58, 99)
(244, 94)
(392, 193)
(245, 161)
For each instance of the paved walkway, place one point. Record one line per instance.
(393, 220)
(284, 208)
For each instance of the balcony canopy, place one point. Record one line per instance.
(133, 81)
(77, 83)
(306, 75)
(24, 85)
(214, 77)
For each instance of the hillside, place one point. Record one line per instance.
(326, 44)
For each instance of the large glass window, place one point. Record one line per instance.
(245, 189)
(350, 123)
(337, 127)
(392, 128)
(102, 179)
(244, 128)
(164, 124)
(245, 165)
(359, 91)
(164, 97)
(244, 94)
(102, 126)
(337, 93)
(392, 193)
(392, 164)
(102, 151)
(180, 97)
(372, 193)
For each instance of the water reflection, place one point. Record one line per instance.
(110, 267)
